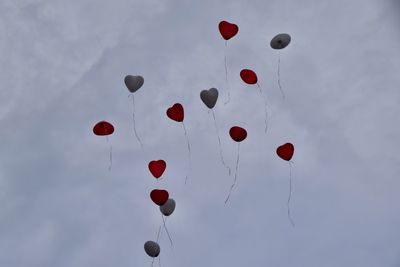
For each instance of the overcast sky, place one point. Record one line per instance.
(62, 70)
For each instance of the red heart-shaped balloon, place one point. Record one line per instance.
(176, 112)
(237, 133)
(248, 76)
(285, 151)
(103, 128)
(157, 168)
(227, 30)
(159, 196)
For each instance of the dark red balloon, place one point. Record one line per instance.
(103, 128)
(237, 133)
(159, 196)
(227, 30)
(285, 151)
(157, 168)
(248, 76)
(176, 112)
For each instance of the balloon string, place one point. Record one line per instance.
(134, 123)
(279, 76)
(236, 171)
(220, 146)
(189, 152)
(265, 107)
(166, 230)
(110, 156)
(290, 196)
(226, 74)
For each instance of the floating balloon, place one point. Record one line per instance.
(227, 30)
(157, 168)
(152, 249)
(104, 128)
(209, 97)
(286, 152)
(176, 112)
(238, 134)
(159, 196)
(168, 207)
(280, 41)
(134, 83)
(248, 76)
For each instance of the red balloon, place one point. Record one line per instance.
(285, 151)
(248, 76)
(237, 133)
(103, 128)
(159, 196)
(176, 112)
(157, 168)
(227, 30)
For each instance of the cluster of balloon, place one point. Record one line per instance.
(238, 134)
(227, 30)
(286, 152)
(134, 83)
(209, 98)
(176, 113)
(279, 42)
(250, 77)
(104, 128)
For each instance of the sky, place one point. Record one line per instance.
(63, 68)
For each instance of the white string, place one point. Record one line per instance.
(235, 179)
(226, 74)
(134, 123)
(265, 107)
(290, 196)
(220, 146)
(189, 152)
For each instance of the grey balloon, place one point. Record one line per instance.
(152, 249)
(133, 82)
(168, 208)
(280, 41)
(209, 97)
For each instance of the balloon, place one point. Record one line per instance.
(133, 83)
(227, 30)
(152, 249)
(237, 133)
(209, 97)
(176, 112)
(168, 208)
(159, 196)
(280, 41)
(157, 168)
(103, 128)
(248, 76)
(285, 151)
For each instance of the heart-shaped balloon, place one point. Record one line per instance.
(103, 128)
(248, 76)
(152, 248)
(237, 133)
(133, 83)
(176, 112)
(157, 168)
(159, 196)
(285, 151)
(209, 97)
(227, 30)
(168, 208)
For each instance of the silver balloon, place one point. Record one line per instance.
(133, 83)
(280, 41)
(209, 97)
(168, 208)
(152, 249)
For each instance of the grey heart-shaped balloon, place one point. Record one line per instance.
(152, 248)
(168, 208)
(133, 83)
(209, 97)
